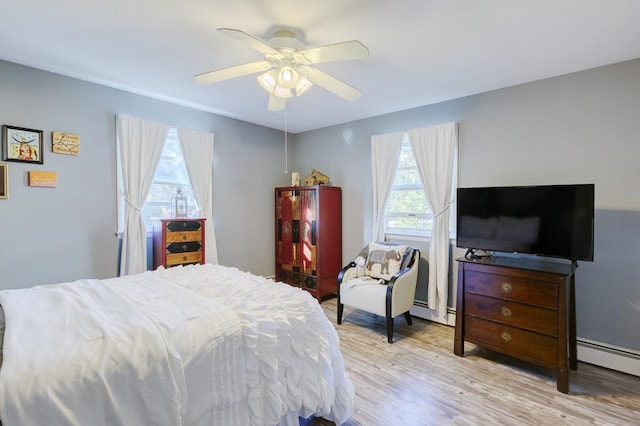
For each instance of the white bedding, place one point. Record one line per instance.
(197, 345)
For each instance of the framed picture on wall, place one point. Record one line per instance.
(23, 145)
(4, 182)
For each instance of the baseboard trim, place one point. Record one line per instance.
(420, 310)
(602, 354)
(609, 356)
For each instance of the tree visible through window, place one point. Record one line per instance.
(407, 211)
(170, 175)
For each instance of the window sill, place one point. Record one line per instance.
(409, 236)
(412, 236)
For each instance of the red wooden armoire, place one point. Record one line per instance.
(309, 237)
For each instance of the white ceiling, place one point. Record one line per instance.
(421, 51)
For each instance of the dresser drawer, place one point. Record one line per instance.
(184, 247)
(175, 237)
(180, 258)
(527, 345)
(541, 320)
(184, 225)
(507, 287)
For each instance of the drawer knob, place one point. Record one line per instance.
(505, 311)
(184, 258)
(184, 247)
(184, 236)
(505, 336)
(506, 287)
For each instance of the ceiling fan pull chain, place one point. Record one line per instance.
(286, 156)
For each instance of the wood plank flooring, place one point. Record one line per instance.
(418, 380)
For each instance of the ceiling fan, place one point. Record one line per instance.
(287, 67)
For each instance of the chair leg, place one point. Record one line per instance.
(390, 329)
(340, 309)
(407, 316)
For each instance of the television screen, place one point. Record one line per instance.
(551, 220)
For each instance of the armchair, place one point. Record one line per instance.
(388, 285)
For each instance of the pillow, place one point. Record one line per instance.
(383, 261)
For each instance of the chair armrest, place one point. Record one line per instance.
(399, 277)
(346, 272)
(402, 287)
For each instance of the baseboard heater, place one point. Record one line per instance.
(609, 356)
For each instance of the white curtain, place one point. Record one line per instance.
(141, 144)
(434, 149)
(197, 149)
(385, 154)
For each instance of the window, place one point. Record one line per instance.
(171, 174)
(407, 211)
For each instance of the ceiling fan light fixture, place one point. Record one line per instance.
(287, 74)
(288, 66)
(269, 82)
(288, 77)
(302, 86)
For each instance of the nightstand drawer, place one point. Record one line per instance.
(184, 247)
(174, 237)
(541, 320)
(512, 288)
(527, 345)
(179, 258)
(184, 225)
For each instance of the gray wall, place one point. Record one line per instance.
(67, 233)
(578, 128)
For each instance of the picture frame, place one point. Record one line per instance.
(4, 181)
(65, 143)
(22, 145)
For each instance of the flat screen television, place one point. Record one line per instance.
(545, 220)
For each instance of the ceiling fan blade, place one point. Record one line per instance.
(276, 103)
(331, 83)
(231, 72)
(336, 52)
(249, 40)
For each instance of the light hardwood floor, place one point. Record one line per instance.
(418, 380)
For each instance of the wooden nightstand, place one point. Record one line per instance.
(178, 242)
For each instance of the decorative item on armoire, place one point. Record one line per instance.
(295, 179)
(317, 178)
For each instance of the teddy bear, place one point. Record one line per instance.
(360, 268)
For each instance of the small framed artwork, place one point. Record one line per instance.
(43, 179)
(65, 143)
(23, 145)
(4, 182)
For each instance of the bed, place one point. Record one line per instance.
(195, 345)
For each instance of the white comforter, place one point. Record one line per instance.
(199, 345)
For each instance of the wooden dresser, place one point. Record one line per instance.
(178, 242)
(519, 307)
